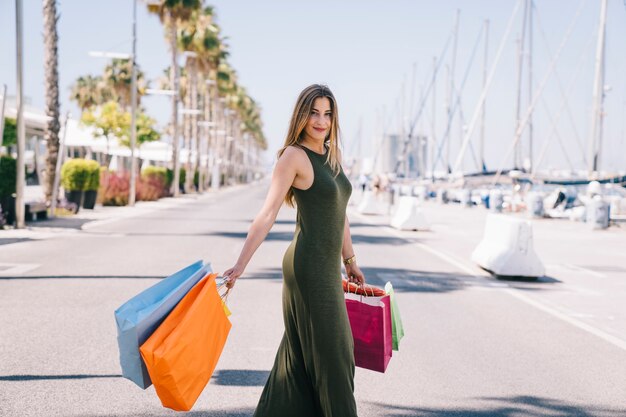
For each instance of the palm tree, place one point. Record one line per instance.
(171, 12)
(89, 91)
(50, 17)
(193, 37)
(226, 86)
(117, 76)
(200, 35)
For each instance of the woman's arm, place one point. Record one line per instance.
(346, 250)
(282, 178)
(353, 272)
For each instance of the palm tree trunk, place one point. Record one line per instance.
(187, 131)
(194, 104)
(174, 81)
(209, 147)
(53, 126)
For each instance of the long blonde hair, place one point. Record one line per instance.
(301, 114)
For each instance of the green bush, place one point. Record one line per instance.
(75, 174)
(196, 179)
(93, 175)
(159, 172)
(156, 177)
(9, 137)
(8, 175)
(170, 177)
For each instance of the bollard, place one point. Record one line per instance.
(465, 197)
(409, 216)
(369, 203)
(534, 204)
(442, 196)
(496, 201)
(598, 213)
(507, 248)
(420, 192)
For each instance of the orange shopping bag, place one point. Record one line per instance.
(182, 353)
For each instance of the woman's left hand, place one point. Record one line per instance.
(354, 274)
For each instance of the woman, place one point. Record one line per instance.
(313, 374)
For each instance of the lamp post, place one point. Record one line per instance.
(4, 101)
(133, 112)
(21, 137)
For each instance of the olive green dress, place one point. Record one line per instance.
(313, 374)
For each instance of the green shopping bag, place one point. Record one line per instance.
(397, 331)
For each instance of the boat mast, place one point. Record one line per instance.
(531, 6)
(433, 139)
(483, 166)
(451, 84)
(520, 66)
(595, 140)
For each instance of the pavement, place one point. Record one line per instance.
(474, 346)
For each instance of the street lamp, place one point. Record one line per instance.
(189, 111)
(21, 137)
(203, 123)
(112, 55)
(133, 113)
(133, 98)
(157, 92)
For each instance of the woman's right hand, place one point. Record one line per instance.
(231, 275)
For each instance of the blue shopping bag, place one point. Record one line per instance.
(139, 317)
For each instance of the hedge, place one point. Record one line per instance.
(8, 175)
(80, 175)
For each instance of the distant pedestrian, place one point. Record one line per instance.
(313, 374)
(363, 182)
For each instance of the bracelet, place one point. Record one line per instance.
(349, 260)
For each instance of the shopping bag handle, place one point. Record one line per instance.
(221, 283)
(363, 287)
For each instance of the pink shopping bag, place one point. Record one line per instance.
(370, 320)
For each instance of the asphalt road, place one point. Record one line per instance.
(474, 346)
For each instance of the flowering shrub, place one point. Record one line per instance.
(115, 188)
(156, 177)
(150, 188)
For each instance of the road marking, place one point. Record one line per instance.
(585, 270)
(607, 337)
(574, 322)
(7, 270)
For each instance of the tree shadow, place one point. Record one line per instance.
(506, 407)
(14, 378)
(271, 236)
(379, 240)
(10, 240)
(82, 277)
(523, 282)
(410, 280)
(528, 284)
(279, 222)
(240, 377)
(235, 412)
(265, 273)
(60, 222)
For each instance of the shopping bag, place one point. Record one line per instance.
(137, 318)
(397, 331)
(368, 290)
(370, 321)
(182, 353)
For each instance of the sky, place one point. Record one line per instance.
(377, 58)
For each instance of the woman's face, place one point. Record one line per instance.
(318, 125)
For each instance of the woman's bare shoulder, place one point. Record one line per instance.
(293, 154)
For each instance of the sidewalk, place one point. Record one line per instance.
(100, 215)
